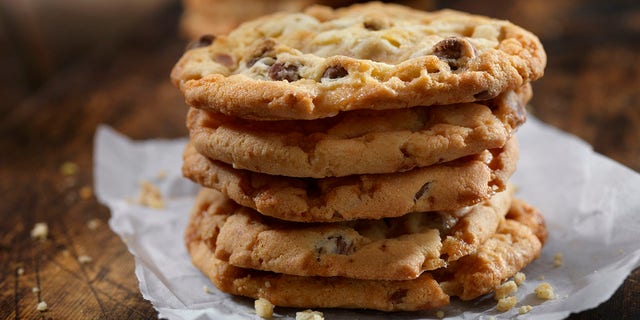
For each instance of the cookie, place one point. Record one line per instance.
(505, 253)
(500, 257)
(367, 56)
(447, 186)
(221, 16)
(359, 142)
(391, 249)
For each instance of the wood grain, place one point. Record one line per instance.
(590, 89)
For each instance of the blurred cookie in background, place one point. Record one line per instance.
(221, 16)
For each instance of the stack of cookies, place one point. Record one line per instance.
(360, 157)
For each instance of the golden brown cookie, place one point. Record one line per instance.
(447, 186)
(359, 142)
(389, 249)
(509, 250)
(367, 56)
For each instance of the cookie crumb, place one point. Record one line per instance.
(309, 315)
(42, 306)
(525, 309)
(519, 278)
(440, 314)
(69, 168)
(20, 271)
(94, 224)
(84, 259)
(40, 231)
(558, 260)
(150, 196)
(545, 291)
(267, 284)
(161, 174)
(86, 192)
(35, 289)
(505, 304)
(264, 308)
(505, 289)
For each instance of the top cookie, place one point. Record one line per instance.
(367, 56)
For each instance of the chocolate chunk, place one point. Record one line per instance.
(204, 41)
(335, 72)
(452, 50)
(421, 192)
(397, 296)
(284, 71)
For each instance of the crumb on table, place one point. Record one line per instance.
(558, 260)
(40, 231)
(544, 291)
(264, 308)
(150, 196)
(519, 278)
(525, 309)
(42, 306)
(505, 304)
(309, 315)
(505, 289)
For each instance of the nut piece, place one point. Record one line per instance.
(40, 231)
(505, 304)
(309, 315)
(264, 308)
(505, 289)
(545, 291)
(440, 314)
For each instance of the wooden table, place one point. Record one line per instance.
(590, 89)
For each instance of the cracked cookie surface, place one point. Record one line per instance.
(359, 142)
(510, 249)
(446, 186)
(320, 62)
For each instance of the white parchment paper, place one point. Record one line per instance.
(591, 205)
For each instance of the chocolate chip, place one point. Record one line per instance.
(449, 48)
(284, 71)
(335, 244)
(372, 25)
(452, 50)
(421, 192)
(204, 41)
(335, 72)
(397, 296)
(224, 59)
(342, 247)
